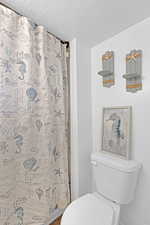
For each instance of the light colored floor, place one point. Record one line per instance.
(57, 222)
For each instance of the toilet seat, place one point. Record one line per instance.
(91, 209)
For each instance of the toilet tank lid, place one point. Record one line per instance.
(123, 165)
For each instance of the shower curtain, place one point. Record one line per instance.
(34, 184)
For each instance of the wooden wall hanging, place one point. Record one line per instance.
(108, 69)
(133, 71)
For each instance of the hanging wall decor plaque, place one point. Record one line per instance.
(133, 71)
(108, 69)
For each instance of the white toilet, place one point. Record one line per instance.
(115, 181)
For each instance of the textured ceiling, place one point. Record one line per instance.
(92, 21)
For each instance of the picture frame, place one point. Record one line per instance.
(116, 131)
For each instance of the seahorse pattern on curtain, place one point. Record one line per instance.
(34, 182)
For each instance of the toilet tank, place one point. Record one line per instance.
(115, 178)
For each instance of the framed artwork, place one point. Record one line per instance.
(116, 131)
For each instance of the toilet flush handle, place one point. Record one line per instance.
(94, 163)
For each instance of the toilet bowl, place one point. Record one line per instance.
(115, 181)
(91, 209)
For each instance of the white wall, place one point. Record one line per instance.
(136, 37)
(84, 116)
(74, 165)
(81, 129)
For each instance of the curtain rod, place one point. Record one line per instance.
(63, 42)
